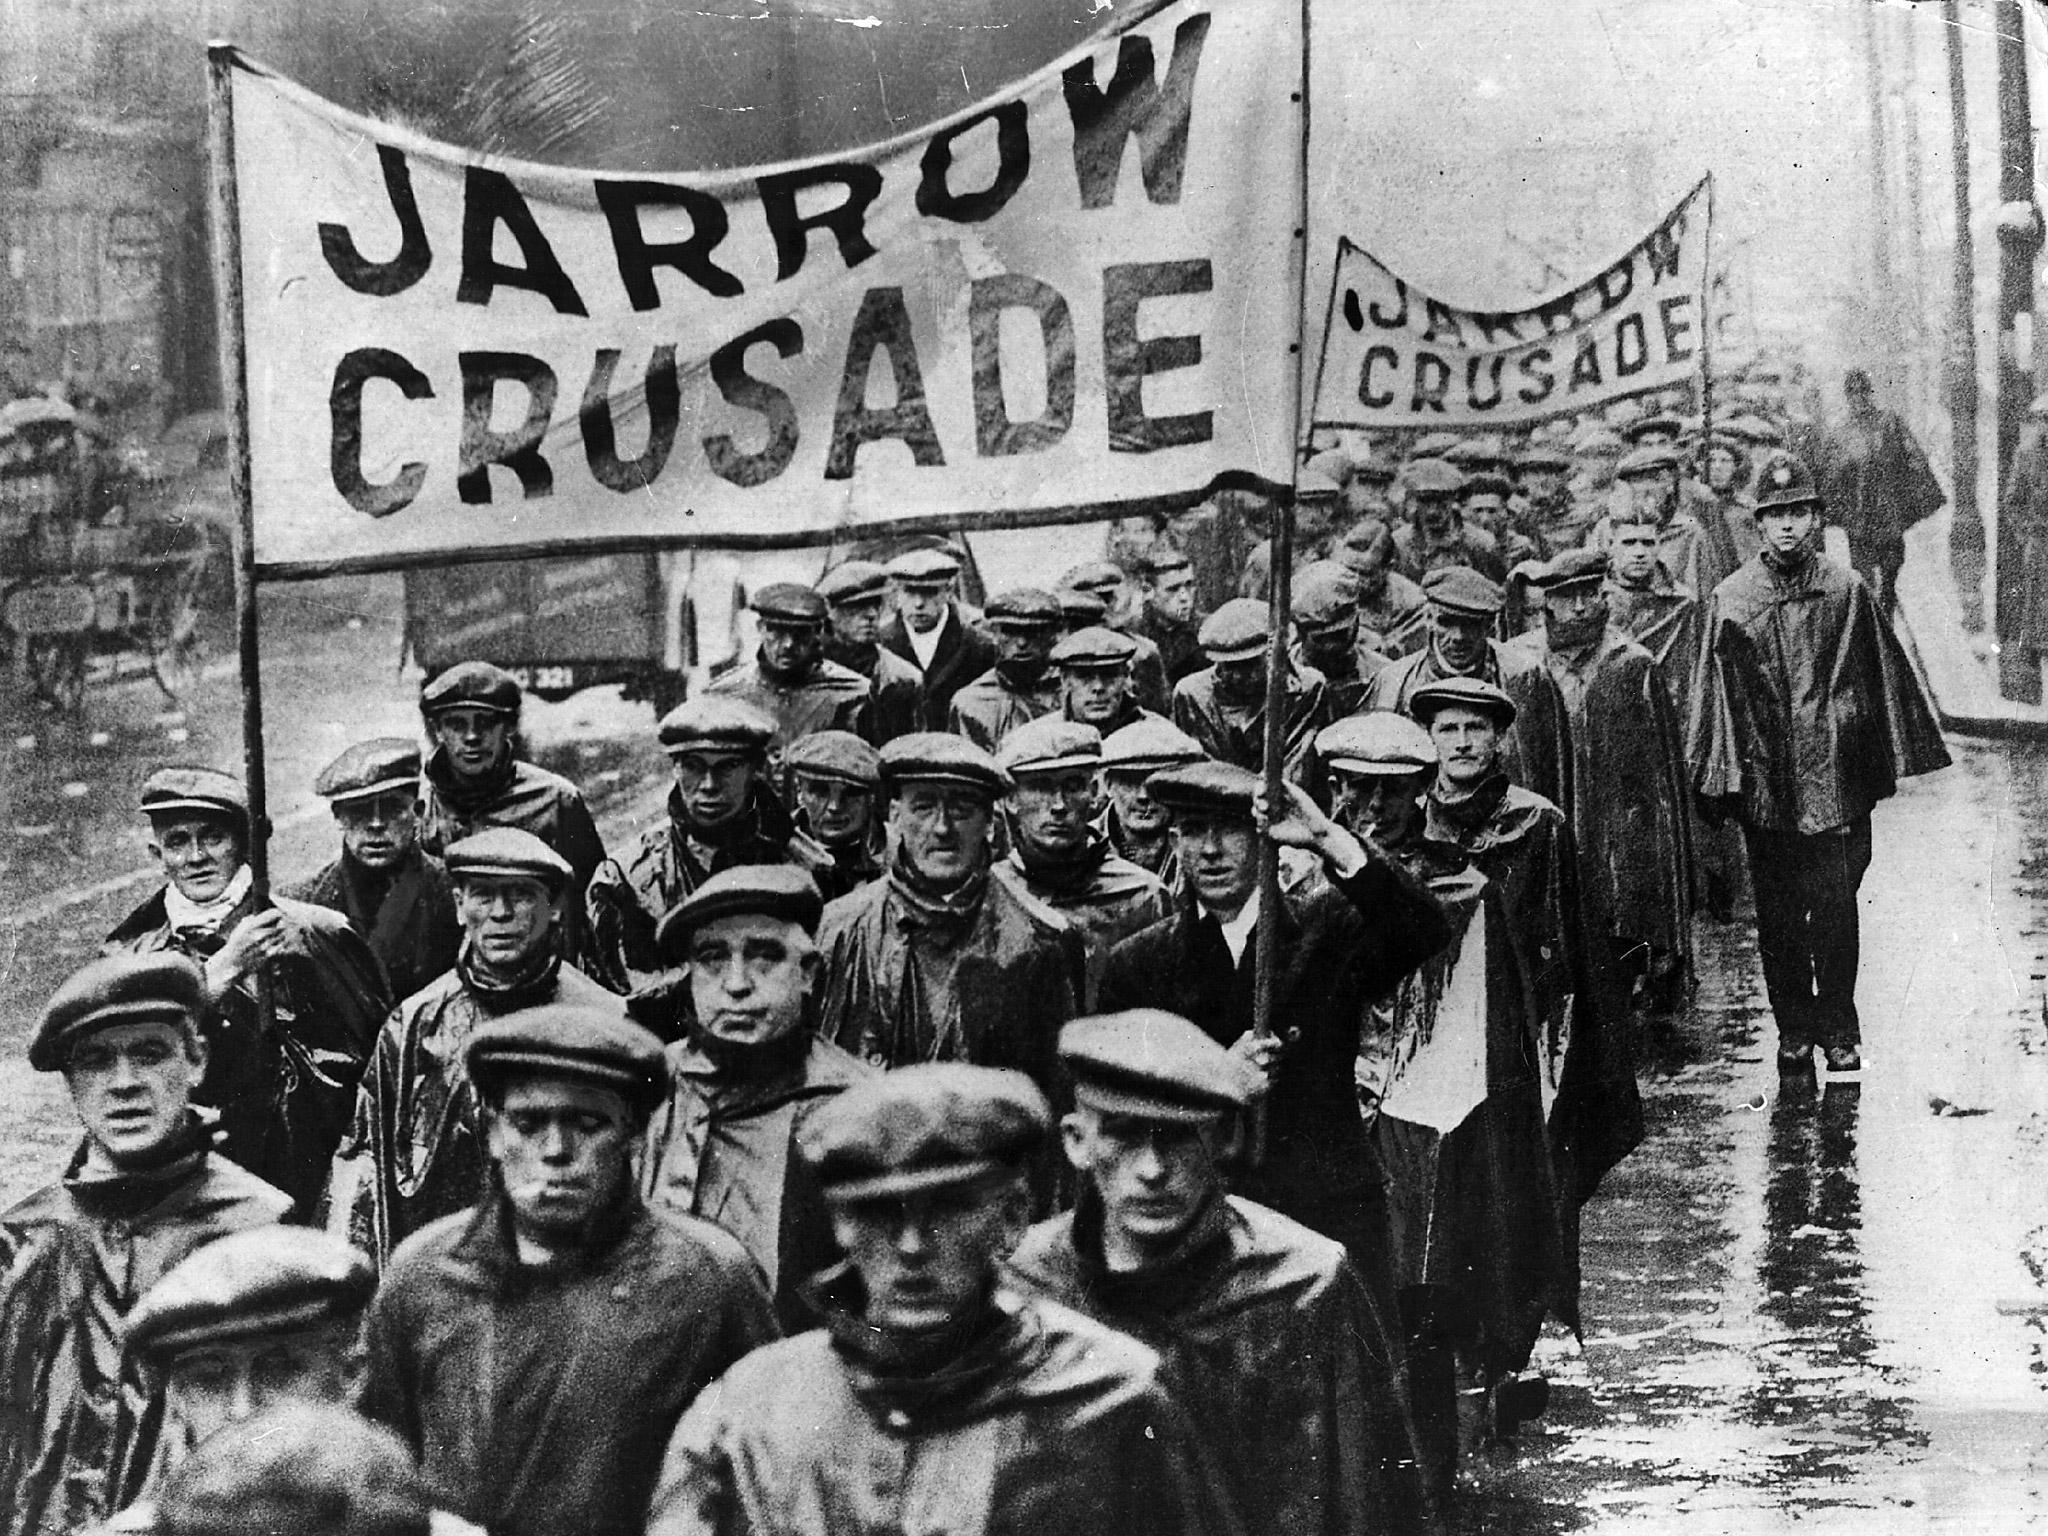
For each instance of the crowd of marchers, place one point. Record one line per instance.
(882, 1141)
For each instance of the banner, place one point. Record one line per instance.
(1076, 299)
(1395, 357)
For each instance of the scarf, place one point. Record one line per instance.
(1466, 811)
(946, 912)
(926, 1373)
(196, 921)
(1168, 1280)
(1788, 567)
(1063, 873)
(127, 1192)
(498, 992)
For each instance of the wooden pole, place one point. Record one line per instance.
(1707, 336)
(1966, 528)
(2019, 665)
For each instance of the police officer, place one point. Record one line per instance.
(790, 680)
(834, 780)
(1022, 684)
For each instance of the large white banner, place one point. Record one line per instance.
(1393, 356)
(1079, 296)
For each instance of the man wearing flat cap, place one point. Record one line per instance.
(1693, 541)
(1023, 684)
(535, 1352)
(1097, 683)
(1325, 602)
(1138, 826)
(1166, 616)
(283, 1085)
(1874, 481)
(1392, 617)
(1435, 534)
(1379, 765)
(723, 811)
(1057, 855)
(1318, 512)
(310, 1469)
(1291, 1375)
(931, 1390)
(1224, 707)
(414, 1152)
(1542, 500)
(748, 1075)
(931, 632)
(835, 779)
(1122, 606)
(1483, 505)
(393, 892)
(856, 597)
(790, 680)
(79, 1421)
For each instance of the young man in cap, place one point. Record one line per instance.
(1022, 684)
(1097, 683)
(929, 1391)
(1645, 604)
(1290, 1374)
(1393, 618)
(1057, 856)
(1542, 502)
(1380, 765)
(79, 1422)
(856, 594)
(1121, 609)
(1807, 715)
(748, 1074)
(536, 1352)
(834, 778)
(1138, 825)
(393, 892)
(931, 633)
(722, 811)
(1325, 602)
(1697, 550)
(790, 680)
(284, 1085)
(1435, 535)
(936, 961)
(1167, 616)
(1483, 504)
(1224, 708)
(415, 1150)
(1318, 510)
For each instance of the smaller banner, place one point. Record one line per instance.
(1395, 357)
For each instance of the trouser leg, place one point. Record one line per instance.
(1835, 866)
(1777, 872)
(1432, 1383)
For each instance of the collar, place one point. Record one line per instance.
(1170, 1279)
(1238, 930)
(464, 797)
(490, 1246)
(1062, 873)
(128, 1192)
(917, 1382)
(497, 992)
(188, 917)
(949, 912)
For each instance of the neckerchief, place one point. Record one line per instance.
(1063, 873)
(921, 1375)
(1789, 569)
(1467, 811)
(498, 991)
(946, 912)
(193, 921)
(1169, 1279)
(128, 1192)
(464, 797)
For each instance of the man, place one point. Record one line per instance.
(1463, 606)
(1121, 607)
(834, 777)
(1807, 715)
(1645, 604)
(1630, 812)
(932, 1401)
(1022, 684)
(79, 1423)
(789, 680)
(1728, 469)
(1224, 708)
(1435, 535)
(1325, 603)
(536, 1352)
(748, 1075)
(1167, 617)
(1318, 506)
(282, 1084)
(1483, 504)
(1875, 482)
(722, 811)
(1291, 1376)
(936, 961)
(1696, 550)
(1139, 827)
(1057, 856)
(1392, 615)
(1542, 503)
(1341, 947)
(930, 632)
(855, 594)
(1380, 764)
(1368, 491)
(392, 893)
(415, 1151)
(1097, 684)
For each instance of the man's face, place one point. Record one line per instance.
(1788, 530)
(565, 1151)
(836, 812)
(923, 605)
(927, 1259)
(1722, 468)
(1172, 594)
(1486, 511)
(1634, 553)
(1050, 812)
(1576, 613)
(1467, 745)
(1241, 680)
(1025, 650)
(1136, 811)
(474, 741)
(713, 786)
(1383, 806)
(1542, 484)
(380, 830)
(131, 1085)
(231, 1381)
(200, 855)
(749, 976)
(1096, 695)
(1154, 1176)
(1459, 639)
(1653, 496)
(505, 918)
(942, 828)
(1116, 598)
(790, 650)
(859, 622)
(1434, 515)
(1328, 646)
(1220, 855)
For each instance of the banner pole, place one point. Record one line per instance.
(1707, 321)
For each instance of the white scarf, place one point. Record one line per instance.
(204, 917)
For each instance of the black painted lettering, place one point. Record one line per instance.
(345, 415)
(995, 434)
(845, 220)
(881, 325)
(1376, 399)
(1432, 381)
(1631, 347)
(1661, 251)
(1585, 366)
(622, 202)
(488, 200)
(517, 450)
(1474, 367)
(1443, 321)
(729, 372)
(1674, 312)
(381, 279)
(600, 428)
(936, 200)
(1127, 361)
(1399, 318)
(1616, 283)
(1535, 368)
(1135, 104)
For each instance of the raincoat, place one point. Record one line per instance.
(1538, 748)
(963, 653)
(831, 698)
(521, 795)
(1236, 733)
(1104, 895)
(988, 709)
(409, 921)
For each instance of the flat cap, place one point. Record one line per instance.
(1433, 477)
(1096, 576)
(1218, 788)
(857, 581)
(1783, 481)
(1379, 741)
(1486, 483)
(1047, 745)
(924, 1127)
(169, 791)
(1146, 746)
(837, 755)
(1594, 438)
(1151, 1065)
(941, 755)
(471, 685)
(312, 1469)
(1650, 459)
(1432, 445)
(1165, 555)
(1080, 607)
(1650, 426)
(1096, 646)
(751, 890)
(1323, 594)
(370, 768)
(1235, 631)
(924, 567)
(507, 853)
(1473, 453)
(1571, 568)
(785, 602)
(1024, 607)
(247, 1285)
(1752, 429)
(162, 988)
(1374, 471)
(714, 722)
(575, 1041)
(1462, 693)
(1543, 456)
(1311, 484)
(1334, 465)
(1460, 589)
